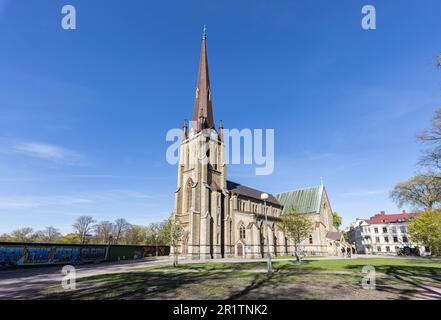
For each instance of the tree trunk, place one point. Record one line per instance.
(296, 253)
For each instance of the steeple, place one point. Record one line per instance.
(203, 111)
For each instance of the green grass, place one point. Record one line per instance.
(382, 265)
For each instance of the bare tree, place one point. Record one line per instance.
(103, 231)
(135, 235)
(83, 226)
(422, 191)
(51, 234)
(119, 228)
(176, 236)
(22, 235)
(432, 138)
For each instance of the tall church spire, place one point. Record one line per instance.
(203, 111)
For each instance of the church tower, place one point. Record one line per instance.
(202, 199)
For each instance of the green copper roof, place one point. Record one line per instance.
(305, 200)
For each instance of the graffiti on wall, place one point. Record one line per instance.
(30, 255)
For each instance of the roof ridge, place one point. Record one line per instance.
(299, 189)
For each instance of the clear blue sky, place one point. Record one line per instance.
(84, 113)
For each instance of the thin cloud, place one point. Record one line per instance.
(46, 151)
(112, 196)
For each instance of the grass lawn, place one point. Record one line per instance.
(246, 281)
(382, 265)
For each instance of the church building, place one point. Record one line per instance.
(221, 218)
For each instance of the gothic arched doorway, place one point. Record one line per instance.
(239, 249)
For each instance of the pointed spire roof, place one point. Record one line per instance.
(203, 111)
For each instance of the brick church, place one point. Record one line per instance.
(221, 218)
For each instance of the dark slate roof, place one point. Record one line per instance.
(304, 200)
(336, 236)
(250, 192)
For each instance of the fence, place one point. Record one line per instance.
(14, 254)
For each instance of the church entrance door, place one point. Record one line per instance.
(240, 249)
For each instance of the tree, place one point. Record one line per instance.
(164, 237)
(71, 238)
(432, 138)
(135, 235)
(83, 226)
(49, 235)
(22, 235)
(422, 191)
(296, 227)
(159, 233)
(5, 238)
(426, 230)
(119, 228)
(103, 231)
(176, 236)
(336, 220)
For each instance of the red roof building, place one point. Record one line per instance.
(382, 217)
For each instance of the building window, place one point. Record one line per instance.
(387, 249)
(403, 229)
(386, 239)
(394, 229)
(395, 239)
(405, 240)
(377, 239)
(242, 232)
(384, 230)
(376, 230)
(379, 249)
(310, 239)
(189, 192)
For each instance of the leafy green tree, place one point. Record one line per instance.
(70, 238)
(422, 191)
(426, 230)
(296, 227)
(336, 220)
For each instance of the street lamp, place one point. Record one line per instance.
(264, 197)
(108, 247)
(156, 239)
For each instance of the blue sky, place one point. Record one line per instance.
(84, 113)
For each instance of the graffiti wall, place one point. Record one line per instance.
(14, 255)
(41, 255)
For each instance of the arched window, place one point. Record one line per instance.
(189, 194)
(242, 231)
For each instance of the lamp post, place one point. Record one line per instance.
(108, 247)
(264, 197)
(156, 240)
